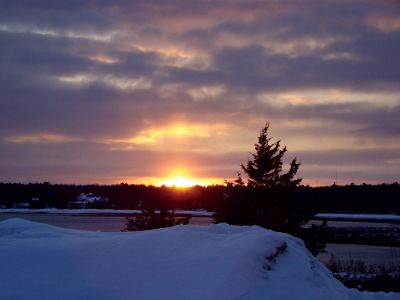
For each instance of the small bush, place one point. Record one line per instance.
(355, 274)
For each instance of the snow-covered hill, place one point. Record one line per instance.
(40, 261)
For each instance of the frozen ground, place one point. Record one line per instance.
(40, 261)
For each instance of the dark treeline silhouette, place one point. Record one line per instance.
(120, 196)
(365, 198)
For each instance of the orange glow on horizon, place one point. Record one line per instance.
(180, 178)
(179, 181)
(176, 178)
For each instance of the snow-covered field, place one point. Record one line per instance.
(40, 261)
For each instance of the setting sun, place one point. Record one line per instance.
(181, 177)
(178, 177)
(179, 181)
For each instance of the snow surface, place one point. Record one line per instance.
(377, 217)
(40, 261)
(85, 211)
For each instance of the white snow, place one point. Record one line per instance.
(362, 217)
(85, 211)
(40, 261)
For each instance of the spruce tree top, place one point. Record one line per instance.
(265, 167)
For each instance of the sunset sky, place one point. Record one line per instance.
(143, 91)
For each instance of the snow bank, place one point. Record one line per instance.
(40, 261)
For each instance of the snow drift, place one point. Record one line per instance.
(40, 261)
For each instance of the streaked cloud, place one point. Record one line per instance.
(19, 28)
(43, 138)
(123, 83)
(384, 23)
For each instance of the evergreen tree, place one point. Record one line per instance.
(269, 198)
(152, 218)
(264, 170)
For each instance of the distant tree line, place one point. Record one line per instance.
(364, 198)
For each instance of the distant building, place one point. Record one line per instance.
(34, 202)
(85, 200)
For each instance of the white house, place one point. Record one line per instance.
(84, 199)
